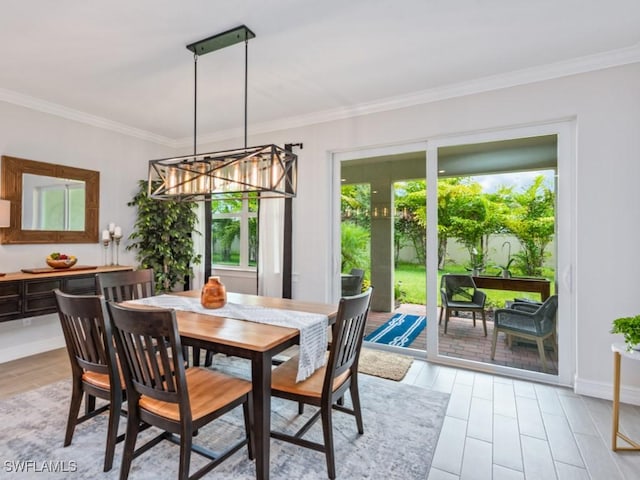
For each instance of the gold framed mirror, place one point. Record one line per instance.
(50, 203)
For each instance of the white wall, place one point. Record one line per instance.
(606, 105)
(121, 161)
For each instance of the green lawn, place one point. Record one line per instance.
(413, 282)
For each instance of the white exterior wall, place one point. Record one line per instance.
(605, 104)
(498, 256)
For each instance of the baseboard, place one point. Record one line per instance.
(630, 395)
(27, 349)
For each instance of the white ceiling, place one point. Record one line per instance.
(124, 63)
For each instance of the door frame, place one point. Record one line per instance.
(566, 242)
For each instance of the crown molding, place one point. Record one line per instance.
(44, 106)
(589, 63)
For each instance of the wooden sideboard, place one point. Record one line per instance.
(25, 295)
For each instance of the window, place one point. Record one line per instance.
(234, 231)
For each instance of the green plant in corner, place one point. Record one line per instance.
(163, 237)
(630, 328)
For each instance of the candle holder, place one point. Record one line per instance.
(105, 243)
(117, 238)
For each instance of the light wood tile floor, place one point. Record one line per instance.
(495, 428)
(499, 428)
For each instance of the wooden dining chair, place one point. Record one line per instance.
(326, 387)
(132, 285)
(162, 393)
(126, 285)
(94, 371)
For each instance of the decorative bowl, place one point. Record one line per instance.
(64, 263)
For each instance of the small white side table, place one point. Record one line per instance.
(619, 351)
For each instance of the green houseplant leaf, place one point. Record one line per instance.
(630, 328)
(163, 237)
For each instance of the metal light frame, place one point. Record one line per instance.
(268, 170)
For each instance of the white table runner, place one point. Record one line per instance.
(312, 326)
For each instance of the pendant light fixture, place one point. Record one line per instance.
(268, 170)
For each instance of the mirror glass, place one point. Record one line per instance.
(51, 203)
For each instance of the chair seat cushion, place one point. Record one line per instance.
(518, 325)
(283, 379)
(463, 305)
(101, 380)
(208, 391)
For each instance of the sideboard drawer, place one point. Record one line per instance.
(80, 285)
(33, 287)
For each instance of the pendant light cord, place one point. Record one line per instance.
(246, 75)
(195, 103)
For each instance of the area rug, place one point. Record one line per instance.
(400, 330)
(384, 364)
(402, 425)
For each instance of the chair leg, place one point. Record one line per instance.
(355, 399)
(208, 358)
(196, 356)
(185, 452)
(473, 315)
(74, 411)
(442, 308)
(248, 425)
(484, 323)
(115, 408)
(300, 408)
(495, 340)
(446, 320)
(543, 357)
(133, 426)
(327, 432)
(89, 404)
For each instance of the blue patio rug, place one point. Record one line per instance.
(400, 330)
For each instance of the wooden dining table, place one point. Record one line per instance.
(257, 342)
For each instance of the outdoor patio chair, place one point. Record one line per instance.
(530, 321)
(352, 282)
(327, 386)
(94, 372)
(459, 294)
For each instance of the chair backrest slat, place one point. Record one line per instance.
(123, 286)
(547, 314)
(87, 331)
(348, 335)
(149, 342)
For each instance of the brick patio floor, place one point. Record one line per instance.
(464, 341)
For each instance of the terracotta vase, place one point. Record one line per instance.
(214, 294)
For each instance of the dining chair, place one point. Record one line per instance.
(162, 393)
(326, 387)
(133, 285)
(531, 321)
(94, 369)
(458, 293)
(126, 285)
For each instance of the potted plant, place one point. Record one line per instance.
(163, 237)
(630, 328)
